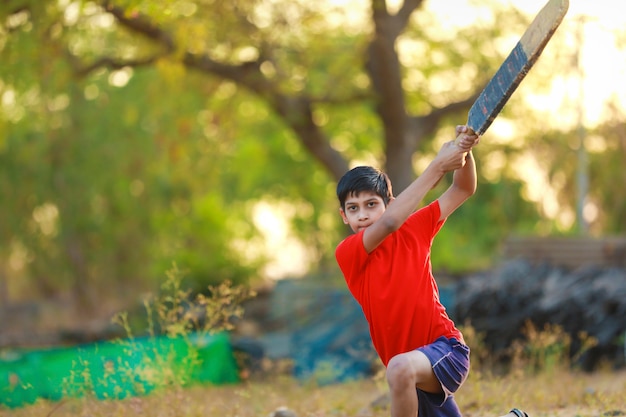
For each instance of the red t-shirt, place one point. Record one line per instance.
(395, 286)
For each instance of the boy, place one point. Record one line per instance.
(386, 265)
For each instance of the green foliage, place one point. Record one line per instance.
(117, 158)
(472, 235)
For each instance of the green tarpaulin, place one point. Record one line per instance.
(117, 369)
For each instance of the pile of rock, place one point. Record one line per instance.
(590, 299)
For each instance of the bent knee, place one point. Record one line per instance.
(400, 371)
(411, 368)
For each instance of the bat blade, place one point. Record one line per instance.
(515, 67)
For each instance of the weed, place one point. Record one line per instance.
(186, 321)
(182, 331)
(548, 349)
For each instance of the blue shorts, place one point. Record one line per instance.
(451, 363)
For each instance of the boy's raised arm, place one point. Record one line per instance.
(449, 158)
(464, 181)
(463, 186)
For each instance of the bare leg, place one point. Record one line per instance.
(411, 370)
(405, 373)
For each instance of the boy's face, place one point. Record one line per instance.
(362, 210)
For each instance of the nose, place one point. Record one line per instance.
(362, 215)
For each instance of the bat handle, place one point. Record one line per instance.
(468, 132)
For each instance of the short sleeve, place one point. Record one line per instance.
(425, 221)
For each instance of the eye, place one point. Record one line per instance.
(351, 208)
(371, 203)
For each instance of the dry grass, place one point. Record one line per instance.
(558, 393)
(542, 382)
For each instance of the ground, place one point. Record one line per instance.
(550, 394)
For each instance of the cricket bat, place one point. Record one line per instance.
(515, 67)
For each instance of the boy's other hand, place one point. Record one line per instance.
(468, 139)
(450, 157)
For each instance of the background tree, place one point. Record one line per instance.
(136, 132)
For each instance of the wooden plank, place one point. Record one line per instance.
(568, 252)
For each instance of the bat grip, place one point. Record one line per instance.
(468, 132)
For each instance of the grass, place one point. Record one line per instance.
(540, 379)
(561, 393)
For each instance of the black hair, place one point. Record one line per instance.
(364, 178)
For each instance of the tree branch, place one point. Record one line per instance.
(295, 110)
(140, 24)
(82, 70)
(404, 14)
(136, 23)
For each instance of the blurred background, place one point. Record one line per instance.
(138, 134)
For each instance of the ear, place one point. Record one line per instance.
(343, 215)
(391, 200)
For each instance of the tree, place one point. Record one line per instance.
(267, 49)
(178, 79)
